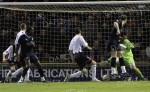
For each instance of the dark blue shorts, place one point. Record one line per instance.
(33, 58)
(113, 46)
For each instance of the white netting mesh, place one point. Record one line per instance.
(54, 25)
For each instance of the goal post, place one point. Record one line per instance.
(93, 6)
(54, 24)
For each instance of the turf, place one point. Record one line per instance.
(124, 86)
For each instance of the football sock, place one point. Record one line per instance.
(25, 71)
(41, 71)
(122, 64)
(123, 69)
(121, 61)
(113, 70)
(113, 66)
(77, 74)
(93, 67)
(28, 74)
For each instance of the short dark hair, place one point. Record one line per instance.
(23, 26)
(123, 17)
(77, 30)
(29, 31)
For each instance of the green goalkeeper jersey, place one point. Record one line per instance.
(127, 53)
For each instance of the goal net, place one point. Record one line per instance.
(54, 25)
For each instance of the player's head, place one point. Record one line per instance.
(23, 26)
(30, 31)
(123, 18)
(77, 30)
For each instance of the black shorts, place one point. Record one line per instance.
(113, 46)
(82, 60)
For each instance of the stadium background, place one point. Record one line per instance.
(54, 30)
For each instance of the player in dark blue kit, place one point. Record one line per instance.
(27, 54)
(113, 46)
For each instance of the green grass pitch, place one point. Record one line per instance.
(118, 86)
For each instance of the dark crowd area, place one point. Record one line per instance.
(53, 31)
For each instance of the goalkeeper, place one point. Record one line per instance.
(127, 47)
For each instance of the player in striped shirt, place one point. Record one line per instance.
(77, 56)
